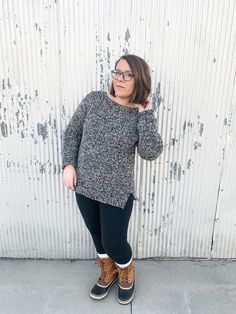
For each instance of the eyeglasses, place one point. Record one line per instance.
(127, 76)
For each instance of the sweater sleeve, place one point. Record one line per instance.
(73, 133)
(149, 145)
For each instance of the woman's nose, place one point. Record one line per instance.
(121, 77)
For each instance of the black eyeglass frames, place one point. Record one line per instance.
(127, 76)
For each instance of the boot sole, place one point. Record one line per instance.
(96, 297)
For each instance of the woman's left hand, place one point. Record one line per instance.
(147, 105)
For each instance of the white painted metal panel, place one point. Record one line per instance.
(197, 58)
(224, 232)
(52, 53)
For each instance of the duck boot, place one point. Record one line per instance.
(109, 275)
(126, 288)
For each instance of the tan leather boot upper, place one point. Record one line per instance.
(108, 270)
(126, 276)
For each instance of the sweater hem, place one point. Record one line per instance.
(100, 198)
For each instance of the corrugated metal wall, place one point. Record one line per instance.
(52, 53)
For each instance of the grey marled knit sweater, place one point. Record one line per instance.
(100, 140)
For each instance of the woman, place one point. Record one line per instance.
(98, 161)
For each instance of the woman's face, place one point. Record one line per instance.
(123, 89)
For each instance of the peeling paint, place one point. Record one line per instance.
(173, 140)
(3, 128)
(125, 51)
(175, 171)
(156, 97)
(148, 210)
(108, 56)
(201, 129)
(188, 163)
(190, 124)
(3, 84)
(153, 179)
(179, 171)
(157, 230)
(127, 34)
(187, 124)
(37, 27)
(230, 118)
(8, 83)
(42, 168)
(153, 196)
(42, 130)
(196, 145)
(184, 126)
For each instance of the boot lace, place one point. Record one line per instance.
(106, 272)
(125, 276)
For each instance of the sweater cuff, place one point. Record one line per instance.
(68, 163)
(145, 116)
(145, 113)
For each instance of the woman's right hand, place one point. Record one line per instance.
(69, 177)
(147, 105)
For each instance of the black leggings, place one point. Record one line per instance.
(108, 226)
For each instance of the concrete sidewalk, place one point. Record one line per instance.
(59, 286)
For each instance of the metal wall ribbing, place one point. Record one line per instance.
(52, 53)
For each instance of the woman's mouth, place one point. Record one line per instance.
(117, 86)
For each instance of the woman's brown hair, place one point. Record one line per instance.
(142, 78)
